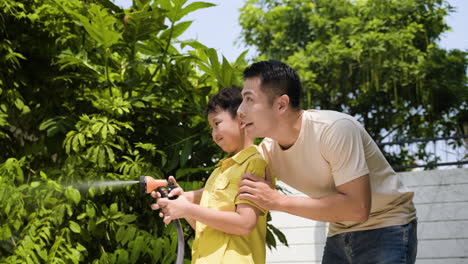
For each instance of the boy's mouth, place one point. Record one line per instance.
(244, 124)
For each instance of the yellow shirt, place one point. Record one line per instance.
(215, 247)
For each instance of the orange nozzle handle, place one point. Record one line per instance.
(148, 184)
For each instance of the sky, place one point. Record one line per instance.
(218, 27)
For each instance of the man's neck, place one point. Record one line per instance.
(289, 129)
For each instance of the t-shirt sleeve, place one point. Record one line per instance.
(342, 146)
(256, 166)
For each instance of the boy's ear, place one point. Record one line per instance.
(283, 103)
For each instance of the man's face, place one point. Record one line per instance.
(256, 111)
(226, 131)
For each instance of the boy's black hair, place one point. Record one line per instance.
(277, 78)
(228, 99)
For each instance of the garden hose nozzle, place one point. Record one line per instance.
(148, 184)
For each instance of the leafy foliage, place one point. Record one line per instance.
(375, 59)
(90, 92)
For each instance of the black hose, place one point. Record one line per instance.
(180, 242)
(163, 190)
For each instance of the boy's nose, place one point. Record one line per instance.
(240, 110)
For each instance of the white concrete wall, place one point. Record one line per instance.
(441, 200)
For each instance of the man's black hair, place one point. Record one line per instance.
(277, 78)
(228, 99)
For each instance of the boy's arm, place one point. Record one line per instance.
(240, 222)
(191, 222)
(193, 196)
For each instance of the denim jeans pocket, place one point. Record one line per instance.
(387, 245)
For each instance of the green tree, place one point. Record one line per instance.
(91, 92)
(375, 59)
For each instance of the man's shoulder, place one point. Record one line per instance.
(266, 144)
(326, 116)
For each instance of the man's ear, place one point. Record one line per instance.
(283, 103)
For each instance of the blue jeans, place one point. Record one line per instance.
(392, 245)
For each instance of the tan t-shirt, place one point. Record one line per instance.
(332, 149)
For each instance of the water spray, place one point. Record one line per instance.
(100, 184)
(147, 185)
(163, 187)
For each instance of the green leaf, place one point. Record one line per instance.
(5, 232)
(192, 43)
(41, 252)
(137, 246)
(143, 24)
(94, 154)
(281, 237)
(113, 209)
(241, 57)
(35, 184)
(120, 234)
(122, 257)
(73, 194)
(90, 211)
(110, 154)
(81, 216)
(43, 175)
(75, 227)
(194, 7)
(176, 30)
(186, 151)
(227, 72)
(102, 157)
(100, 26)
(21, 106)
(213, 57)
(75, 143)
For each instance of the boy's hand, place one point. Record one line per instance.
(175, 192)
(173, 209)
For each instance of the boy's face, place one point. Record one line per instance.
(256, 111)
(226, 131)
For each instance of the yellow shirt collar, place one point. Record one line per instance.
(239, 158)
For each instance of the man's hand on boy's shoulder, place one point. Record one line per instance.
(260, 191)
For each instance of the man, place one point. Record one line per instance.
(331, 158)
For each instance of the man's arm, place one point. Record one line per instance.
(351, 202)
(240, 222)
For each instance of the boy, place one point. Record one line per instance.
(228, 230)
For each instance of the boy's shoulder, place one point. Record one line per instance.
(247, 154)
(257, 157)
